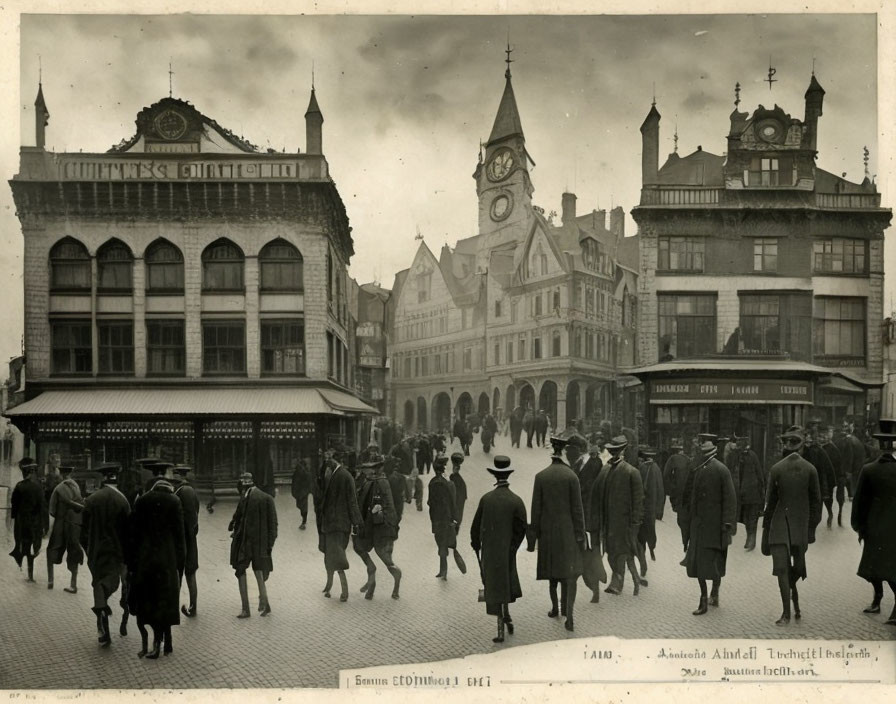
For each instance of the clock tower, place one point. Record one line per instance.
(502, 175)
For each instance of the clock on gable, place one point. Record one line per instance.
(170, 124)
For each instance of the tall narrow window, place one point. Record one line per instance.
(839, 327)
(536, 347)
(116, 347)
(224, 347)
(281, 267)
(555, 344)
(765, 254)
(222, 267)
(164, 268)
(165, 348)
(283, 347)
(115, 265)
(71, 347)
(69, 266)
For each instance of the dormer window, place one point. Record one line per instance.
(769, 172)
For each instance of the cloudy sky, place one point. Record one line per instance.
(407, 99)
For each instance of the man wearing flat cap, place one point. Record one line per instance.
(654, 502)
(675, 477)
(379, 524)
(750, 479)
(254, 526)
(558, 529)
(460, 486)
(189, 503)
(104, 536)
(28, 511)
(617, 509)
(792, 512)
(496, 534)
(442, 503)
(874, 519)
(65, 509)
(711, 521)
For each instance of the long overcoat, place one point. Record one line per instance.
(654, 498)
(793, 498)
(254, 531)
(836, 459)
(675, 477)
(853, 452)
(712, 503)
(339, 504)
(442, 502)
(496, 534)
(156, 555)
(558, 522)
(104, 532)
(376, 491)
(189, 503)
(460, 494)
(399, 486)
(874, 518)
(617, 509)
(301, 484)
(28, 508)
(751, 479)
(818, 458)
(65, 507)
(589, 474)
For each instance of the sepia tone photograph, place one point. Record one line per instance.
(432, 352)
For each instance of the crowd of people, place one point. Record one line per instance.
(592, 515)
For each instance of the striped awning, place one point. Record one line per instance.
(182, 402)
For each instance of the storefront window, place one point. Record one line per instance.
(840, 327)
(687, 325)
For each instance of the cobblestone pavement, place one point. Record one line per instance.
(49, 637)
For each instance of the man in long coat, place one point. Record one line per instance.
(712, 520)
(792, 512)
(379, 525)
(65, 508)
(424, 454)
(28, 511)
(617, 509)
(529, 426)
(104, 535)
(541, 427)
(399, 487)
(558, 529)
(874, 519)
(833, 452)
(818, 458)
(654, 501)
(853, 454)
(751, 483)
(189, 503)
(442, 503)
(464, 435)
(301, 487)
(338, 518)
(254, 527)
(156, 553)
(460, 486)
(593, 573)
(497, 532)
(516, 426)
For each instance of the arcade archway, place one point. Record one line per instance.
(547, 400)
(483, 404)
(408, 414)
(510, 401)
(441, 412)
(527, 397)
(572, 402)
(464, 405)
(422, 415)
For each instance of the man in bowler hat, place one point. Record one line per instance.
(792, 512)
(498, 530)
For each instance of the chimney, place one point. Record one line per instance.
(617, 221)
(314, 121)
(569, 207)
(41, 118)
(650, 146)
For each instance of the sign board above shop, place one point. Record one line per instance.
(739, 391)
(79, 168)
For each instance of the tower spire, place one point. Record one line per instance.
(508, 60)
(507, 121)
(675, 138)
(41, 115)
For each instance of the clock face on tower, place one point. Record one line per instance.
(770, 130)
(501, 207)
(170, 125)
(500, 166)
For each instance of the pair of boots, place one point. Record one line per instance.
(343, 582)
(504, 620)
(160, 634)
(785, 615)
(567, 600)
(102, 625)
(712, 600)
(369, 586)
(750, 545)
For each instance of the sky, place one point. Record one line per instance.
(406, 100)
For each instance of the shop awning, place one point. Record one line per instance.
(183, 402)
(740, 365)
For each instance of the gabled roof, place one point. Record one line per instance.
(464, 287)
(698, 169)
(628, 253)
(826, 182)
(507, 121)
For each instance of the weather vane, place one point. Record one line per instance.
(419, 234)
(865, 159)
(170, 81)
(771, 72)
(508, 60)
(737, 94)
(675, 137)
(40, 71)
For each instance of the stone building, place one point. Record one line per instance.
(761, 281)
(528, 313)
(186, 296)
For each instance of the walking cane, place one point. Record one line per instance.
(482, 590)
(789, 542)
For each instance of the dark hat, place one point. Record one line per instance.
(181, 469)
(676, 444)
(575, 439)
(144, 460)
(708, 448)
(794, 431)
(457, 457)
(65, 469)
(27, 463)
(887, 429)
(373, 463)
(617, 443)
(109, 470)
(703, 437)
(501, 469)
(439, 462)
(648, 452)
(812, 422)
(558, 443)
(157, 466)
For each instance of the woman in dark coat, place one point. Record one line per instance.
(652, 481)
(254, 527)
(379, 526)
(874, 519)
(711, 520)
(156, 554)
(28, 510)
(337, 519)
(497, 532)
(301, 487)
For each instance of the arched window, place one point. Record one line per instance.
(115, 265)
(69, 266)
(222, 267)
(281, 267)
(164, 268)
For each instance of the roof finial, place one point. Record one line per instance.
(508, 60)
(653, 100)
(675, 137)
(813, 65)
(736, 94)
(40, 71)
(170, 80)
(865, 159)
(771, 72)
(312, 74)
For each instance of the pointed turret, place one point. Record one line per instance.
(41, 118)
(507, 121)
(314, 121)
(814, 102)
(650, 146)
